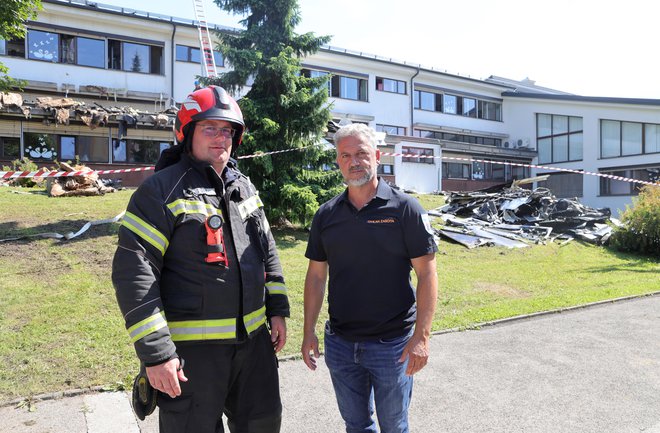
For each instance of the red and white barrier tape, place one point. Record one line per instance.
(45, 174)
(519, 164)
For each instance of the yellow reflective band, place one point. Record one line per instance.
(247, 206)
(255, 319)
(182, 206)
(145, 231)
(199, 330)
(147, 326)
(274, 288)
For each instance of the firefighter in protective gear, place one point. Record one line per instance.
(225, 317)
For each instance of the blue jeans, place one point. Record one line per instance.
(369, 372)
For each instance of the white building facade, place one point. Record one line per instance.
(444, 131)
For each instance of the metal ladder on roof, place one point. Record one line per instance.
(206, 49)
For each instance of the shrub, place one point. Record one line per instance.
(641, 224)
(23, 164)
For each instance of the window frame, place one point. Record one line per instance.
(557, 136)
(397, 83)
(421, 151)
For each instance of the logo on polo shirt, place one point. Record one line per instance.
(381, 221)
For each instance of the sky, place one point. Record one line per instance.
(586, 47)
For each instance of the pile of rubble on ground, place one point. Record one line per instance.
(516, 217)
(86, 185)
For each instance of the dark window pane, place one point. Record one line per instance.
(15, 47)
(114, 54)
(43, 45)
(90, 52)
(142, 151)
(10, 147)
(156, 54)
(67, 49)
(93, 149)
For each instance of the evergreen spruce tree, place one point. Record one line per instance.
(283, 109)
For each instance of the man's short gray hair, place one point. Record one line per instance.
(358, 130)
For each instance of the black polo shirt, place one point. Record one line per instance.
(370, 294)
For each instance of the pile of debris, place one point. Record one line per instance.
(516, 217)
(63, 110)
(86, 185)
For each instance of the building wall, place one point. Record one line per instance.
(176, 79)
(523, 111)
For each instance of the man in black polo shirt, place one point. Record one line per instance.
(368, 239)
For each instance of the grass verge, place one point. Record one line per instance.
(60, 327)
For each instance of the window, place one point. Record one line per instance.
(418, 151)
(469, 107)
(559, 138)
(462, 138)
(386, 169)
(10, 147)
(628, 138)
(480, 170)
(131, 57)
(455, 170)
(427, 101)
(192, 54)
(13, 47)
(391, 129)
(454, 104)
(348, 88)
(40, 146)
(61, 48)
(489, 110)
(450, 104)
(135, 57)
(619, 187)
(563, 185)
(43, 46)
(137, 151)
(389, 85)
(90, 52)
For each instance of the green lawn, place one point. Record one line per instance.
(60, 327)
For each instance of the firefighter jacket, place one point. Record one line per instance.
(167, 292)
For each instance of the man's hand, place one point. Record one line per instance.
(417, 352)
(310, 350)
(165, 377)
(278, 332)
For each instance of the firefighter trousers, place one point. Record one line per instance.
(239, 380)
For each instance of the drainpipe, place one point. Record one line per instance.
(173, 62)
(412, 102)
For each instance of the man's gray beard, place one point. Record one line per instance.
(368, 175)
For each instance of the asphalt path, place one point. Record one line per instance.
(594, 369)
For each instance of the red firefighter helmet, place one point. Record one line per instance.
(211, 102)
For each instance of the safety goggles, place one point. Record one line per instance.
(214, 131)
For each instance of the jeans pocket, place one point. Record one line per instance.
(328, 329)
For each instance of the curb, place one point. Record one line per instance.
(295, 357)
